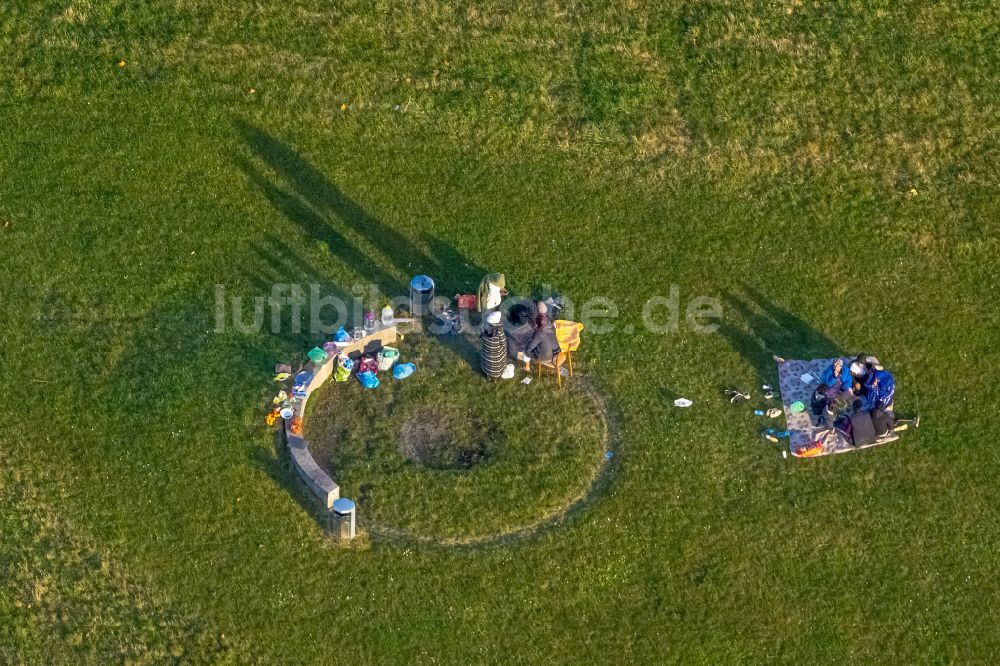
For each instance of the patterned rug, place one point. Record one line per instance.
(808, 439)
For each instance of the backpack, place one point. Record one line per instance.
(862, 428)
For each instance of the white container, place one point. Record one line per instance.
(387, 315)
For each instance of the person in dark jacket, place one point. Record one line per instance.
(520, 332)
(544, 345)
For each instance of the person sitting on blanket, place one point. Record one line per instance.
(819, 401)
(874, 386)
(879, 389)
(837, 378)
(860, 368)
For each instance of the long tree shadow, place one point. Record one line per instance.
(318, 227)
(369, 248)
(320, 209)
(763, 329)
(310, 200)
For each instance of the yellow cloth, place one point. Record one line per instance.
(568, 334)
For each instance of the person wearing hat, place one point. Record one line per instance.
(493, 346)
(859, 368)
(880, 386)
(491, 292)
(874, 385)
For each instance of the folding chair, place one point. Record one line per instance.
(568, 335)
(555, 364)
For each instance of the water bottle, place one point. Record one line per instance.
(387, 315)
(758, 412)
(369, 321)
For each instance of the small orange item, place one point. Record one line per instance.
(809, 451)
(272, 416)
(297, 425)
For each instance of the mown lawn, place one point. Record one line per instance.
(829, 171)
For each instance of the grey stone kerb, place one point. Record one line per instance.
(318, 481)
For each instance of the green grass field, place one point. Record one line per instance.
(828, 171)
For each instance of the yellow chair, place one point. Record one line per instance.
(555, 364)
(568, 335)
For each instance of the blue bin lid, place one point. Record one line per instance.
(422, 284)
(343, 505)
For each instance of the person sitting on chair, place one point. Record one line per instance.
(520, 332)
(544, 345)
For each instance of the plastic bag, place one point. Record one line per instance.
(387, 358)
(403, 370)
(341, 335)
(368, 379)
(367, 364)
(317, 356)
(302, 381)
(344, 368)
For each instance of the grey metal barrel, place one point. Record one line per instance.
(343, 518)
(421, 295)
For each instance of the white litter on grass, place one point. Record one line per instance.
(526, 380)
(564, 372)
(682, 402)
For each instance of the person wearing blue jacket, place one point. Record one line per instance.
(880, 386)
(873, 385)
(837, 378)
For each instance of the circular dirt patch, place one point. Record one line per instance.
(448, 455)
(446, 438)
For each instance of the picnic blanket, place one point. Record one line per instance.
(807, 438)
